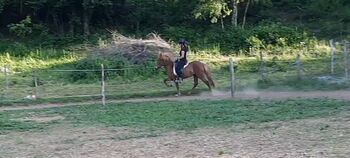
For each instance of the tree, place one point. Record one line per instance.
(23, 28)
(248, 2)
(87, 8)
(2, 5)
(234, 19)
(213, 9)
(245, 13)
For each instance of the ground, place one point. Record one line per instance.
(247, 94)
(326, 136)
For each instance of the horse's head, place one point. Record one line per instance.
(164, 59)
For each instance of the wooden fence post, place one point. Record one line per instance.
(298, 65)
(332, 55)
(261, 68)
(6, 80)
(126, 71)
(346, 75)
(36, 84)
(103, 85)
(232, 72)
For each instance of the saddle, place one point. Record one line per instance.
(181, 69)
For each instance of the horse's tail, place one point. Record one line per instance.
(208, 74)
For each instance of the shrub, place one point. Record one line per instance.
(23, 28)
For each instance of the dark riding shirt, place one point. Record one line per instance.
(185, 50)
(182, 61)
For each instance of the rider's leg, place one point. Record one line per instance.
(180, 71)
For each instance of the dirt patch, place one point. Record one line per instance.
(321, 137)
(41, 119)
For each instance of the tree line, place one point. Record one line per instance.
(83, 17)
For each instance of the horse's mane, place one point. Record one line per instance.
(167, 56)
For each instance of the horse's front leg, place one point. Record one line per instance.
(165, 82)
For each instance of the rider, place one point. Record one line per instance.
(182, 59)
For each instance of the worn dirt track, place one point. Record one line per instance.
(216, 95)
(312, 137)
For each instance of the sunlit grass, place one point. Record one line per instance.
(31, 63)
(169, 116)
(279, 71)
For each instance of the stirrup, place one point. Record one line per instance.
(178, 80)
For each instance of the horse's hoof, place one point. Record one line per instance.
(189, 93)
(177, 95)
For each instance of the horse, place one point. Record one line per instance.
(196, 69)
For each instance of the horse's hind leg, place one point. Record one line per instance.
(195, 83)
(205, 80)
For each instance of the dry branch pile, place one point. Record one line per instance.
(136, 51)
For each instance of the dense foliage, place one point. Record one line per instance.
(230, 25)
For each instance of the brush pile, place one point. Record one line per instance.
(136, 51)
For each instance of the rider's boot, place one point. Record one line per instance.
(178, 80)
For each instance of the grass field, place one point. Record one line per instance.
(231, 128)
(176, 115)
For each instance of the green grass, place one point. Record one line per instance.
(8, 123)
(280, 75)
(55, 86)
(168, 116)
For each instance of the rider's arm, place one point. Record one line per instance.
(180, 57)
(182, 54)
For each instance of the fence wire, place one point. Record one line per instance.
(141, 81)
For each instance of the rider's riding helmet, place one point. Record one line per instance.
(183, 41)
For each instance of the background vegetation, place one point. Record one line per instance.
(59, 34)
(58, 23)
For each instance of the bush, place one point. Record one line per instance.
(54, 41)
(89, 64)
(277, 34)
(18, 49)
(175, 33)
(23, 28)
(234, 39)
(231, 39)
(111, 63)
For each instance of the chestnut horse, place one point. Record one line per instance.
(196, 69)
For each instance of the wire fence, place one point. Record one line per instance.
(107, 83)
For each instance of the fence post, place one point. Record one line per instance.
(250, 51)
(232, 72)
(298, 65)
(103, 85)
(6, 78)
(261, 69)
(126, 71)
(36, 84)
(6, 81)
(345, 60)
(332, 55)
